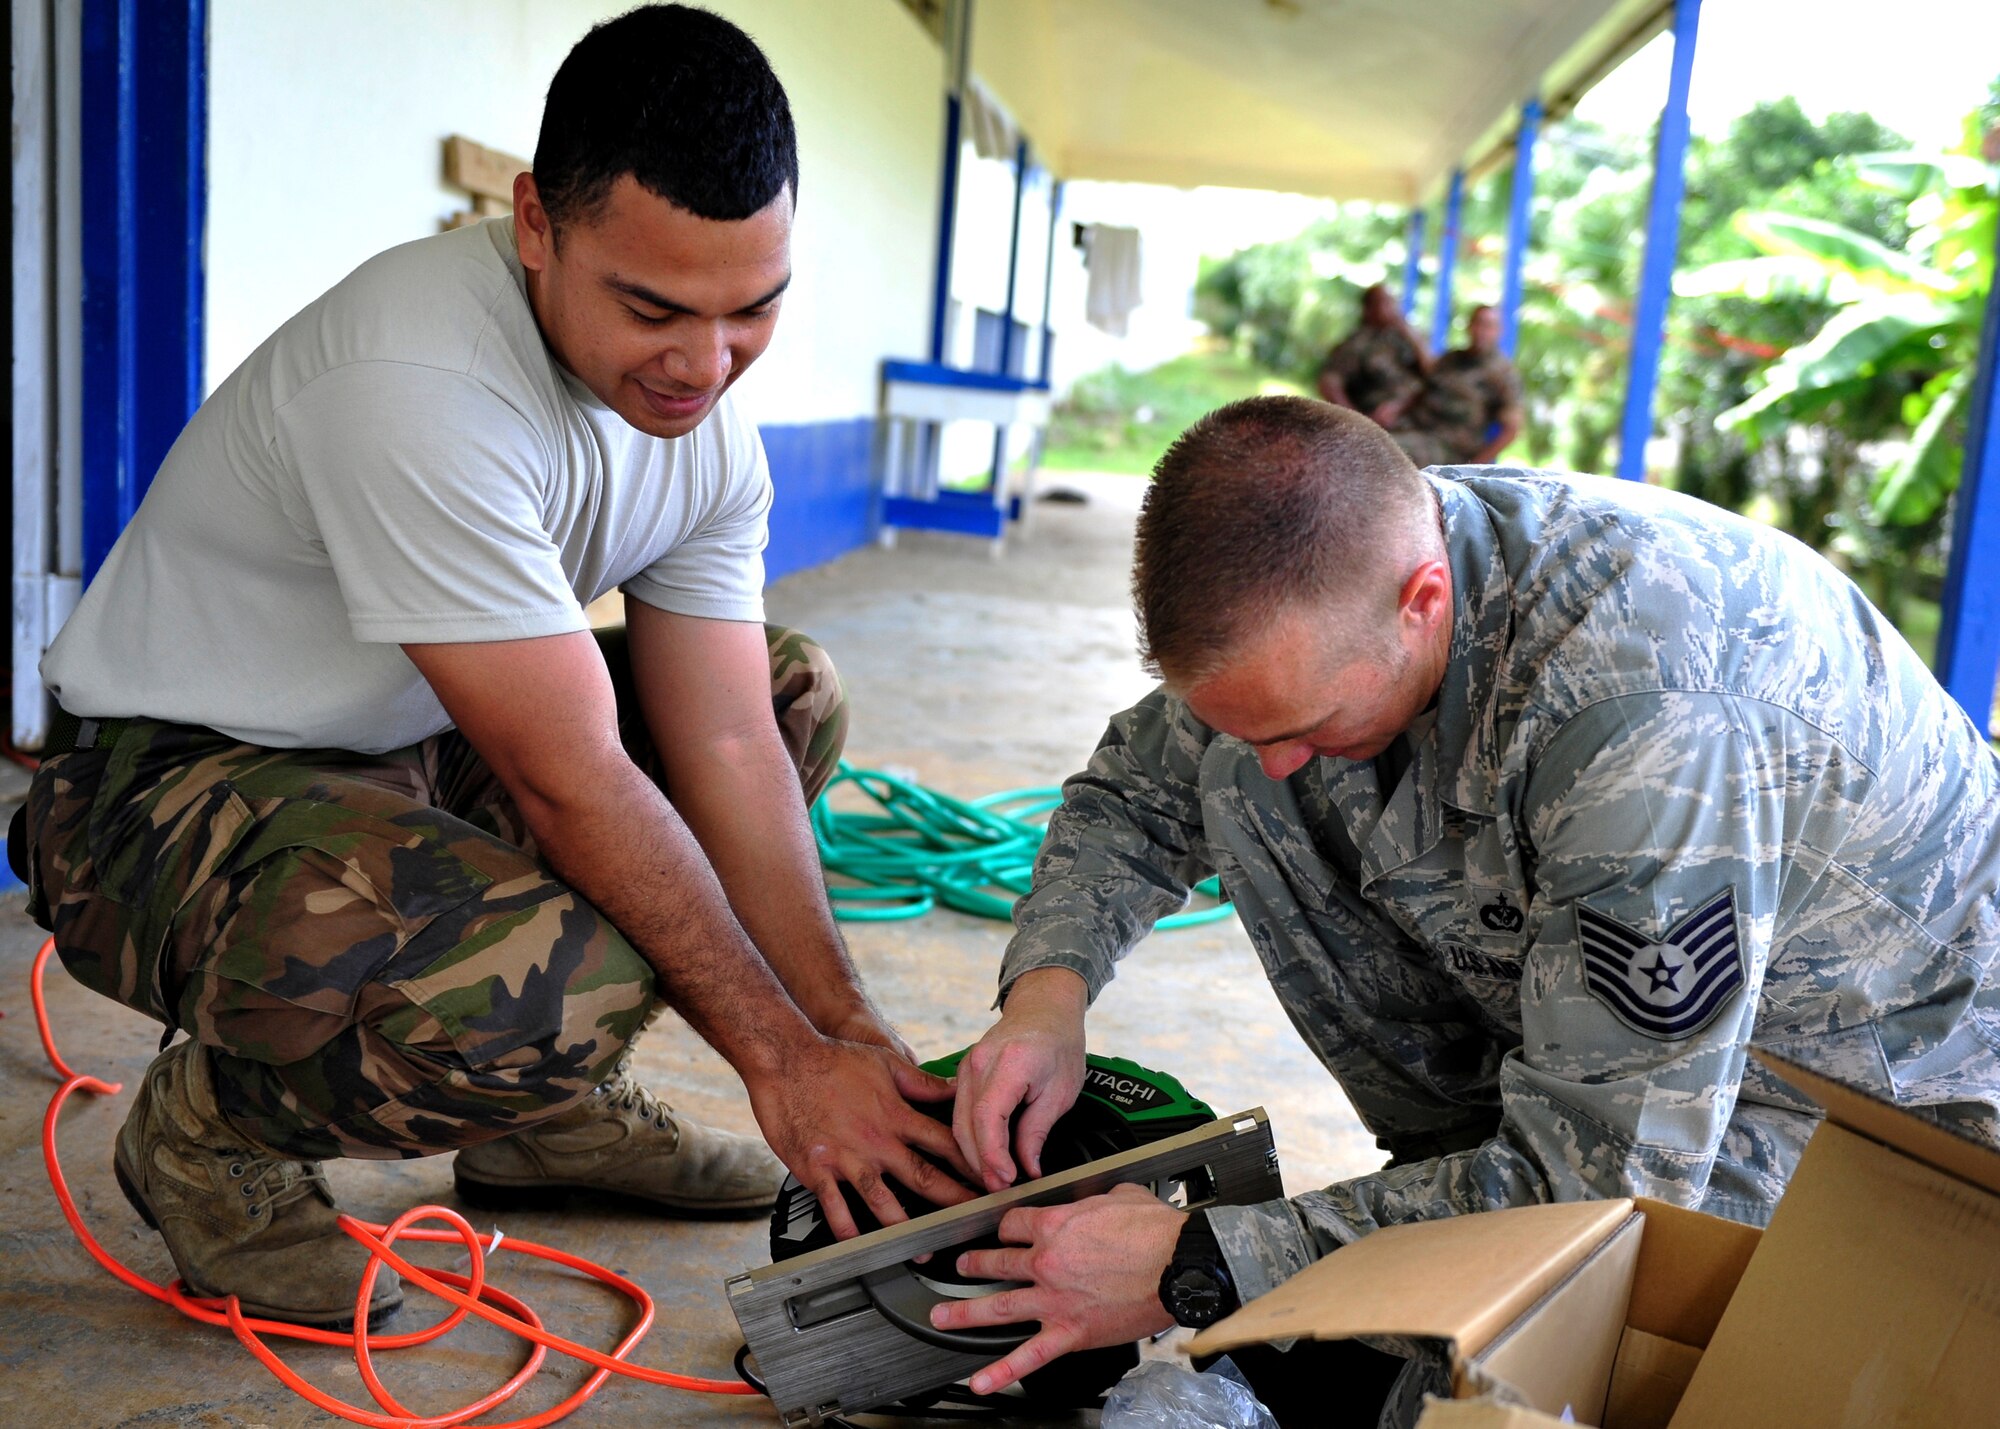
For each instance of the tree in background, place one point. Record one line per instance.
(1773, 157)
(1282, 305)
(1788, 227)
(1895, 358)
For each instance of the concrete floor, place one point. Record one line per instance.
(977, 674)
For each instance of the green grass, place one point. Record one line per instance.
(1114, 420)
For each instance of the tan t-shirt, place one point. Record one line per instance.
(403, 461)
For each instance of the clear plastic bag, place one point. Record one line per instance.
(1159, 1394)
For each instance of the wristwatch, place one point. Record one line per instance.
(1195, 1288)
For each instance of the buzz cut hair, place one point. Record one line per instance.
(680, 99)
(1266, 504)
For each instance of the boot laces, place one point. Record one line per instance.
(272, 1182)
(624, 1092)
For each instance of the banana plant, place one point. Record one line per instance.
(1906, 318)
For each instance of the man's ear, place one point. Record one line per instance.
(534, 234)
(1425, 598)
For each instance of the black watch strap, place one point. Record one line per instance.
(1196, 1288)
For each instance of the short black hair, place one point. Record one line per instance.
(678, 98)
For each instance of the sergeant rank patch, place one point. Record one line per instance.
(1670, 987)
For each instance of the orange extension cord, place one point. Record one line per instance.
(468, 1293)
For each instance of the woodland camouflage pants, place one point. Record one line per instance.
(380, 963)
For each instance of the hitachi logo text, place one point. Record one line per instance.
(1111, 1084)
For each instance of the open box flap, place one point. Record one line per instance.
(1877, 1120)
(1463, 1279)
(1689, 1266)
(1480, 1414)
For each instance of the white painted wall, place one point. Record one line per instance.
(325, 127)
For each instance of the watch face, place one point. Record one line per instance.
(1196, 1298)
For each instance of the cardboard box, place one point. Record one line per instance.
(1873, 1299)
(1601, 1308)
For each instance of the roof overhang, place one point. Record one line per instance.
(1345, 99)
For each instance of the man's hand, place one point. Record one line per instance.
(1033, 1058)
(842, 1113)
(1093, 1278)
(864, 1024)
(1387, 414)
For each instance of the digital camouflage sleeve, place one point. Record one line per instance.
(1685, 793)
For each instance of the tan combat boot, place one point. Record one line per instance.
(237, 1218)
(623, 1140)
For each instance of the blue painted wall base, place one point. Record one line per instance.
(962, 514)
(823, 499)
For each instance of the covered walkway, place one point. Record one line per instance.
(977, 674)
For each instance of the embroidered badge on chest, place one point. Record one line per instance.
(1668, 987)
(1501, 916)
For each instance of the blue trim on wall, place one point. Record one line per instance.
(975, 517)
(823, 491)
(999, 345)
(931, 374)
(145, 205)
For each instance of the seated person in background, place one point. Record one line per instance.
(1380, 363)
(1469, 407)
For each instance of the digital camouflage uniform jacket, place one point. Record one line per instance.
(1685, 793)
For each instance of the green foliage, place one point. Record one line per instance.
(1911, 489)
(1907, 325)
(1840, 253)
(1826, 310)
(1857, 348)
(1115, 420)
(1282, 305)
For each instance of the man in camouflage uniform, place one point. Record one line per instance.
(1469, 407)
(1379, 365)
(1543, 799)
(343, 787)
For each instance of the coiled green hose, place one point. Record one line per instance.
(925, 848)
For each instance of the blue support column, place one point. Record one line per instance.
(1006, 364)
(947, 226)
(1413, 263)
(1454, 204)
(1049, 280)
(1663, 236)
(144, 141)
(958, 32)
(1013, 258)
(1968, 650)
(1520, 215)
